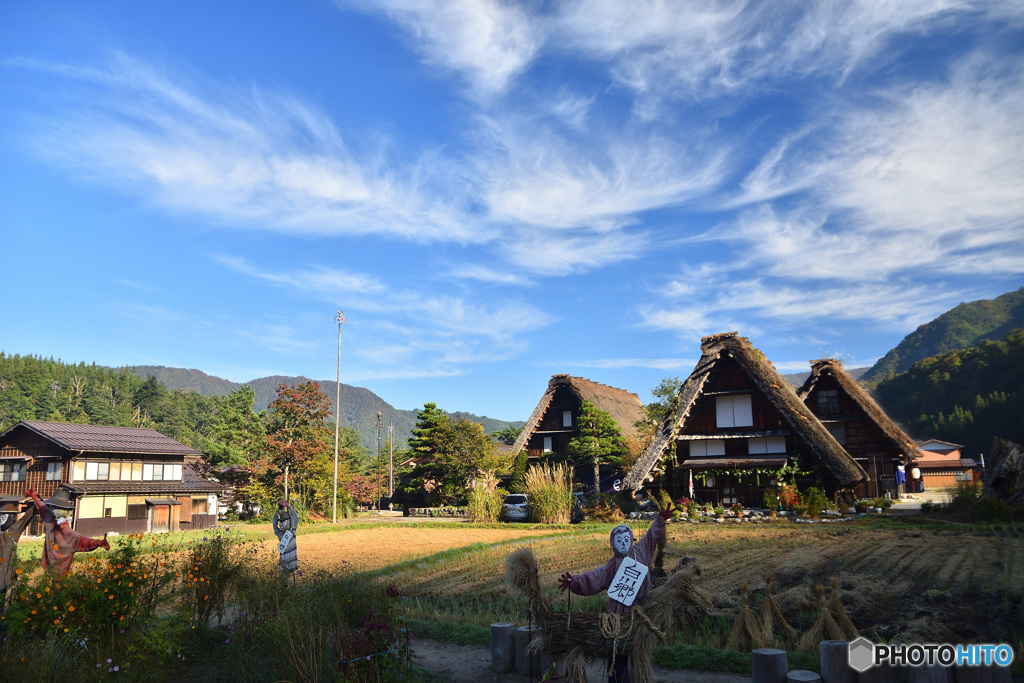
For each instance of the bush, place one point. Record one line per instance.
(549, 491)
(605, 510)
(484, 504)
(813, 501)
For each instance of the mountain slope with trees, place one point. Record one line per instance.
(358, 409)
(959, 328)
(966, 396)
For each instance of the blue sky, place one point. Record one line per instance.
(497, 192)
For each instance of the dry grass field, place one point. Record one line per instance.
(899, 581)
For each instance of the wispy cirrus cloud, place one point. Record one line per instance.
(402, 328)
(253, 158)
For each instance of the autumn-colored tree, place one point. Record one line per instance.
(297, 432)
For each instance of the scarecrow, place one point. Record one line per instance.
(285, 523)
(11, 527)
(62, 542)
(626, 577)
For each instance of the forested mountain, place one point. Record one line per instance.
(359, 406)
(797, 379)
(965, 396)
(960, 328)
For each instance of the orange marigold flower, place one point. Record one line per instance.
(18, 571)
(71, 609)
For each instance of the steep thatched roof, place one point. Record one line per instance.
(834, 368)
(624, 407)
(778, 391)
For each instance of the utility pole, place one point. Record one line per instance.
(391, 460)
(380, 425)
(339, 318)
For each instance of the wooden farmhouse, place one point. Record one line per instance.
(942, 465)
(734, 423)
(554, 422)
(860, 426)
(120, 479)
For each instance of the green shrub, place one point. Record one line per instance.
(813, 501)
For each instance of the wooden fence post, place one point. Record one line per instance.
(527, 665)
(503, 646)
(769, 665)
(835, 663)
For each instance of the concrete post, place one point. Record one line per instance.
(835, 667)
(526, 664)
(503, 646)
(929, 674)
(769, 665)
(800, 676)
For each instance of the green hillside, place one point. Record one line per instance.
(960, 328)
(965, 396)
(359, 406)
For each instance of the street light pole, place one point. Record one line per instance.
(339, 318)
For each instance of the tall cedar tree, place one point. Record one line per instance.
(297, 431)
(238, 431)
(600, 440)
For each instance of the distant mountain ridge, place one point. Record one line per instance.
(358, 406)
(959, 328)
(797, 379)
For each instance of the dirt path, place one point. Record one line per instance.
(472, 664)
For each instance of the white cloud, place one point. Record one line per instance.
(481, 273)
(254, 158)
(489, 42)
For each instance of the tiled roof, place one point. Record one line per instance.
(101, 438)
(945, 464)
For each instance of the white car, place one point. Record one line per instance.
(514, 508)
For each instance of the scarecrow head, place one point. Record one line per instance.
(283, 503)
(621, 539)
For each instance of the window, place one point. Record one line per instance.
(547, 444)
(734, 411)
(13, 471)
(700, 449)
(771, 444)
(567, 418)
(199, 506)
(136, 471)
(106, 512)
(147, 472)
(175, 472)
(136, 512)
(838, 431)
(53, 471)
(97, 471)
(158, 472)
(828, 401)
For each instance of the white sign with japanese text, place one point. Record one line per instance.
(627, 581)
(286, 539)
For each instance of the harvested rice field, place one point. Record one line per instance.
(897, 582)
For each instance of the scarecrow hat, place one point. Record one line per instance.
(61, 499)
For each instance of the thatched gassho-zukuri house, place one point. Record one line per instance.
(734, 422)
(860, 426)
(554, 421)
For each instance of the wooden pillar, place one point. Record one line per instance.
(835, 666)
(527, 665)
(929, 674)
(769, 665)
(800, 676)
(503, 646)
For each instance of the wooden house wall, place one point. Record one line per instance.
(550, 423)
(24, 442)
(863, 435)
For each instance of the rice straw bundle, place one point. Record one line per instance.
(579, 636)
(839, 613)
(824, 628)
(746, 631)
(771, 616)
